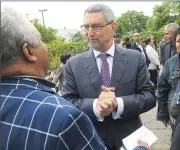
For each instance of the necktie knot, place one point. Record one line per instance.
(103, 56)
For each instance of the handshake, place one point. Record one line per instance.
(107, 102)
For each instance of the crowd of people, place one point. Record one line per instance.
(103, 90)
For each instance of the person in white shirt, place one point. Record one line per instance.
(154, 66)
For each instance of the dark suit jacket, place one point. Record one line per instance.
(134, 46)
(168, 52)
(130, 78)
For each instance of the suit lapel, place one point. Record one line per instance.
(91, 68)
(119, 64)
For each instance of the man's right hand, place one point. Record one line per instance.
(106, 102)
(142, 143)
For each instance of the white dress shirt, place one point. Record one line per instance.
(120, 107)
(153, 56)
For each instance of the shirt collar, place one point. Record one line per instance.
(149, 46)
(32, 80)
(137, 43)
(110, 51)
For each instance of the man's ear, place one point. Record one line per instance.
(28, 53)
(114, 27)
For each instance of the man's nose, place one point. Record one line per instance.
(90, 32)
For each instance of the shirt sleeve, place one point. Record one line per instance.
(99, 118)
(78, 132)
(119, 111)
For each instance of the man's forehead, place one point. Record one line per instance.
(136, 34)
(168, 30)
(94, 17)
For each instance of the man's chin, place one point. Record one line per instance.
(94, 46)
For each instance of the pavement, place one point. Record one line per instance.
(163, 134)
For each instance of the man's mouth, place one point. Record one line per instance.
(92, 40)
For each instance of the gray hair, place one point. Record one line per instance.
(106, 11)
(15, 31)
(172, 26)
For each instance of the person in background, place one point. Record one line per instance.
(170, 49)
(33, 116)
(162, 45)
(136, 45)
(127, 43)
(108, 83)
(59, 73)
(154, 66)
(167, 84)
(118, 39)
(175, 102)
(154, 42)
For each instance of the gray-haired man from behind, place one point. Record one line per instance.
(33, 116)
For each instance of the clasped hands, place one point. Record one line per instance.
(107, 102)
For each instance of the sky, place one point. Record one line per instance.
(70, 14)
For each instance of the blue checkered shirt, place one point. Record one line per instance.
(33, 117)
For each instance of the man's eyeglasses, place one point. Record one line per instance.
(95, 27)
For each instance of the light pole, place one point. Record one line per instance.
(43, 15)
(27, 16)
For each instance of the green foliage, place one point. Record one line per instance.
(48, 34)
(77, 37)
(132, 20)
(57, 47)
(163, 14)
(167, 12)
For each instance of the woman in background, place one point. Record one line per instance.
(154, 58)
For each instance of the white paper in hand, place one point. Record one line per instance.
(130, 142)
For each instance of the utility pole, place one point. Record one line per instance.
(43, 15)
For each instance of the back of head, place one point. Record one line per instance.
(21, 46)
(127, 39)
(15, 31)
(128, 44)
(64, 57)
(148, 40)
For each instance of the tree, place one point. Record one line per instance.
(77, 37)
(175, 11)
(131, 21)
(163, 14)
(48, 34)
